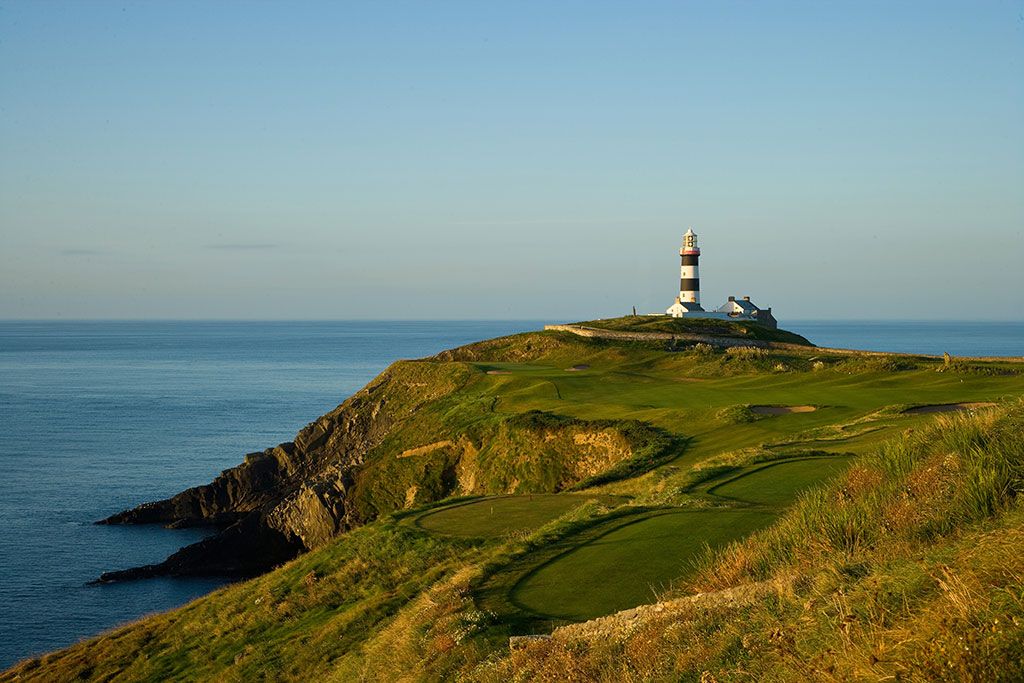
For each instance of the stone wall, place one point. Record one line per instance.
(726, 342)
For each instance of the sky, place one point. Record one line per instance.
(522, 160)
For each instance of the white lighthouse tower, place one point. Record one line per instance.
(688, 301)
(689, 275)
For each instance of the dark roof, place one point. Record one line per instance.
(745, 306)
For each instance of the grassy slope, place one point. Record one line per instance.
(911, 567)
(281, 626)
(349, 607)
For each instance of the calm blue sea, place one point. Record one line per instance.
(99, 416)
(936, 338)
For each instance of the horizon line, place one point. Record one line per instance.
(471, 319)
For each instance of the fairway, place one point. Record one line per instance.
(629, 564)
(500, 515)
(780, 483)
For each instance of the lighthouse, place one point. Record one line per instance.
(689, 276)
(687, 304)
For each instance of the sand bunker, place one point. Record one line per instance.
(781, 410)
(947, 407)
(578, 368)
(499, 372)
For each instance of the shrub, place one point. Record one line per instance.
(746, 352)
(891, 364)
(739, 414)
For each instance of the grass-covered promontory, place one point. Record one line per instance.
(829, 531)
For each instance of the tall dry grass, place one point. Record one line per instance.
(963, 468)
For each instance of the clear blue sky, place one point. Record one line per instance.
(509, 159)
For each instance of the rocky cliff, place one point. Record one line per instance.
(421, 431)
(291, 497)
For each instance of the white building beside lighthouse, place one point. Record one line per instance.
(687, 304)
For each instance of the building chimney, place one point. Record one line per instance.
(746, 298)
(732, 298)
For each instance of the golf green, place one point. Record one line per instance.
(780, 483)
(500, 515)
(629, 564)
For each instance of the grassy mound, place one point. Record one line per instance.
(779, 483)
(530, 452)
(630, 563)
(742, 329)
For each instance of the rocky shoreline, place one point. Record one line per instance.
(278, 502)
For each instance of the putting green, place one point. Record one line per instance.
(629, 564)
(501, 515)
(780, 483)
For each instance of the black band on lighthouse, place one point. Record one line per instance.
(689, 284)
(690, 259)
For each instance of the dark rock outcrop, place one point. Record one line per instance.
(246, 548)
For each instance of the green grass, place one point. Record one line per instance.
(907, 567)
(595, 571)
(501, 515)
(629, 564)
(779, 483)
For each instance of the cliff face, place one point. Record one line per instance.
(420, 432)
(292, 497)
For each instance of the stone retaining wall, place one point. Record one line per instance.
(620, 624)
(726, 342)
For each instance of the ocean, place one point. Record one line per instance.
(927, 337)
(96, 417)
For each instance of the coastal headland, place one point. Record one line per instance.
(609, 488)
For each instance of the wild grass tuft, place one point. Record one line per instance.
(746, 352)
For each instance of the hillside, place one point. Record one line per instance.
(910, 566)
(826, 506)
